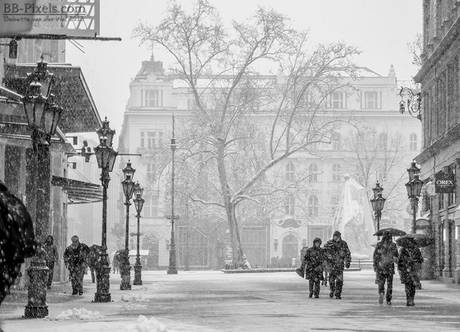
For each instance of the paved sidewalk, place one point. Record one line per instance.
(214, 301)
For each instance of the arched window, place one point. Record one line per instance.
(290, 172)
(289, 205)
(313, 173)
(413, 142)
(334, 205)
(336, 142)
(312, 206)
(336, 172)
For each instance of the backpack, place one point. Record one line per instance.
(17, 238)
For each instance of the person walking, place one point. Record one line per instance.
(75, 261)
(314, 267)
(338, 256)
(51, 258)
(410, 257)
(385, 256)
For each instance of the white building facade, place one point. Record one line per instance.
(377, 145)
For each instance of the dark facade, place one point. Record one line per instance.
(440, 157)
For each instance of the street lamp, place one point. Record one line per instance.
(128, 189)
(138, 204)
(414, 189)
(377, 204)
(105, 156)
(172, 248)
(411, 101)
(42, 115)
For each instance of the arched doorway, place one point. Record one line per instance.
(290, 247)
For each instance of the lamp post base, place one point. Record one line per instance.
(36, 292)
(125, 277)
(137, 273)
(103, 283)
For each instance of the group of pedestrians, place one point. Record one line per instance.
(408, 260)
(334, 256)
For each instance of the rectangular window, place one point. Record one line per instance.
(150, 206)
(371, 100)
(337, 100)
(152, 98)
(151, 139)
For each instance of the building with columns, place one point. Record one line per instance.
(380, 150)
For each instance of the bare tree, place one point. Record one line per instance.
(283, 114)
(378, 156)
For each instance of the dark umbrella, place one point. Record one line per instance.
(17, 239)
(15, 221)
(392, 231)
(420, 240)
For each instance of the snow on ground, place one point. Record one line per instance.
(75, 313)
(144, 324)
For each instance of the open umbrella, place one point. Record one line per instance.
(420, 240)
(392, 231)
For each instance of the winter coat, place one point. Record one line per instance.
(76, 257)
(314, 263)
(408, 263)
(385, 256)
(51, 252)
(337, 255)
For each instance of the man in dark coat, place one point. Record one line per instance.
(385, 256)
(75, 260)
(410, 258)
(338, 256)
(51, 258)
(314, 267)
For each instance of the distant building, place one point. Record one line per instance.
(389, 139)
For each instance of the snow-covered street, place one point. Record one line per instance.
(214, 301)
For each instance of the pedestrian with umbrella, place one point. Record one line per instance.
(410, 258)
(385, 256)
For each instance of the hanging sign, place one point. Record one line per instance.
(51, 17)
(445, 183)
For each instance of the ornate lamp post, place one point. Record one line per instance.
(128, 189)
(138, 204)
(414, 189)
(411, 101)
(377, 203)
(172, 248)
(42, 118)
(105, 156)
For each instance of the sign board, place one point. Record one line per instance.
(445, 183)
(51, 17)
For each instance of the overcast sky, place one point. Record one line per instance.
(380, 28)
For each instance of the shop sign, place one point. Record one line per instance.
(51, 17)
(445, 183)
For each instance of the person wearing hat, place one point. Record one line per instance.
(314, 267)
(385, 256)
(337, 256)
(410, 258)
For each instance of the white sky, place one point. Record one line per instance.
(380, 28)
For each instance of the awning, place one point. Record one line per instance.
(71, 92)
(78, 192)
